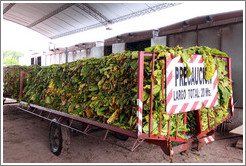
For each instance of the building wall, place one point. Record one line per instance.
(43, 59)
(48, 57)
(209, 37)
(97, 52)
(159, 40)
(118, 47)
(232, 44)
(186, 39)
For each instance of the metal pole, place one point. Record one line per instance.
(140, 92)
(66, 54)
(151, 94)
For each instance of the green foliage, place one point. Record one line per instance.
(10, 61)
(11, 57)
(12, 81)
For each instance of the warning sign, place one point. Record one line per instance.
(192, 93)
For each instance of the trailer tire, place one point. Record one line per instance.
(55, 137)
(121, 137)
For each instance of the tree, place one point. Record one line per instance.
(11, 57)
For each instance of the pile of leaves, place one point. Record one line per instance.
(95, 88)
(12, 79)
(105, 89)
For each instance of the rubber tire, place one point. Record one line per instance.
(121, 137)
(55, 147)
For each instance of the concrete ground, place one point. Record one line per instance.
(25, 140)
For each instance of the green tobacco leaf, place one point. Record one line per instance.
(216, 52)
(47, 100)
(149, 49)
(134, 64)
(93, 88)
(156, 89)
(209, 63)
(134, 55)
(185, 57)
(145, 95)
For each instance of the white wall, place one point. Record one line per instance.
(118, 48)
(62, 58)
(80, 54)
(70, 57)
(43, 59)
(26, 60)
(159, 40)
(96, 52)
(48, 57)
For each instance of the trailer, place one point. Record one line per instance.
(62, 123)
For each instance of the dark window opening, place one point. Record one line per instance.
(107, 50)
(32, 61)
(138, 46)
(39, 60)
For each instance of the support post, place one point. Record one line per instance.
(140, 92)
(66, 54)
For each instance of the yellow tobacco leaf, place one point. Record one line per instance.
(94, 98)
(88, 112)
(113, 117)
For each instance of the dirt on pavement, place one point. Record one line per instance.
(26, 140)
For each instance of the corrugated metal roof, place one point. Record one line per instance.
(56, 20)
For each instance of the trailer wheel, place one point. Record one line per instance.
(55, 137)
(121, 137)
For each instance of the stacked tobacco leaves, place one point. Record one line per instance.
(105, 89)
(12, 79)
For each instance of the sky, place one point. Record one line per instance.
(18, 38)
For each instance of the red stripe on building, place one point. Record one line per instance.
(172, 110)
(169, 78)
(214, 100)
(194, 105)
(169, 97)
(183, 107)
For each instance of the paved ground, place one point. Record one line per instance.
(25, 140)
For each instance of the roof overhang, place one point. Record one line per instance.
(55, 20)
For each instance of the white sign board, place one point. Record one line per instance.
(192, 93)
